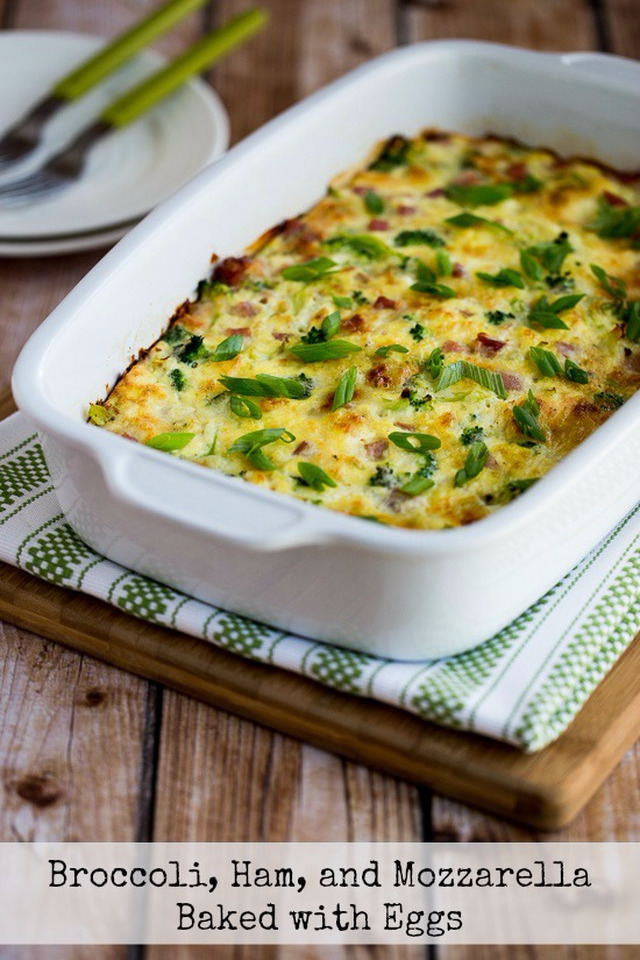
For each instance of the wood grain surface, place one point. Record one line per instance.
(89, 751)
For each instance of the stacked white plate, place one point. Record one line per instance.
(127, 174)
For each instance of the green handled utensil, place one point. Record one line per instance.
(196, 59)
(63, 169)
(24, 136)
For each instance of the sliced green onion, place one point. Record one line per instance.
(467, 219)
(531, 267)
(417, 484)
(444, 266)
(99, 414)
(526, 416)
(476, 459)
(415, 238)
(478, 195)
(615, 223)
(631, 319)
(464, 370)
(504, 278)
(434, 362)
(373, 202)
(364, 245)
(345, 389)
(546, 362)
(315, 477)
(616, 287)
(391, 348)
(414, 442)
(264, 385)
(170, 441)
(315, 352)
(345, 303)
(575, 373)
(545, 314)
(229, 348)
(245, 408)
(311, 270)
(251, 445)
(331, 324)
(435, 289)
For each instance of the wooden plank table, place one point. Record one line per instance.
(90, 752)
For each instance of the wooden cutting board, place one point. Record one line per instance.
(544, 790)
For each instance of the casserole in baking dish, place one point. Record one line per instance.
(392, 592)
(401, 358)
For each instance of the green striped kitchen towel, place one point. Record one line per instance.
(525, 685)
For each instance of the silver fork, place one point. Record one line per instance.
(21, 139)
(25, 135)
(64, 168)
(58, 173)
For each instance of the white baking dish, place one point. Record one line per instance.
(391, 592)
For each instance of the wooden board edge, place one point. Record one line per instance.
(544, 790)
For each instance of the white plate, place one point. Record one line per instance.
(129, 172)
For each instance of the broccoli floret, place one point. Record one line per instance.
(178, 379)
(471, 435)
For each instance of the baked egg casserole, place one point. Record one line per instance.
(420, 347)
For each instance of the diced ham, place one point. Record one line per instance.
(378, 224)
(438, 192)
(488, 346)
(377, 449)
(280, 335)
(304, 449)
(491, 462)
(297, 227)
(406, 210)
(566, 349)
(378, 376)
(361, 190)
(243, 309)
(235, 331)
(436, 136)
(518, 172)
(383, 303)
(458, 270)
(467, 178)
(452, 346)
(352, 324)
(231, 271)
(511, 381)
(403, 425)
(614, 200)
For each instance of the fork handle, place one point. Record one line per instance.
(113, 55)
(200, 56)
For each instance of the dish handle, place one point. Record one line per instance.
(604, 64)
(228, 508)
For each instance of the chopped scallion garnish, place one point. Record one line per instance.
(170, 441)
(464, 370)
(345, 389)
(314, 476)
(420, 443)
(476, 459)
(504, 278)
(316, 352)
(251, 445)
(314, 269)
(391, 348)
(265, 385)
(229, 348)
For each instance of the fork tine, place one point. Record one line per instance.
(30, 188)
